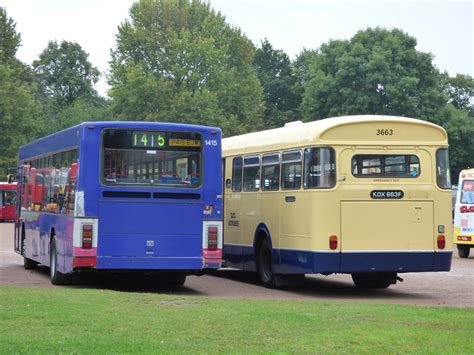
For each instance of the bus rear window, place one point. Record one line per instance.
(151, 158)
(467, 192)
(401, 166)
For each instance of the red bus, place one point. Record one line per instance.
(7, 201)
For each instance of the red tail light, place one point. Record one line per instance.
(212, 238)
(333, 242)
(87, 236)
(441, 242)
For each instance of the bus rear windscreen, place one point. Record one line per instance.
(157, 158)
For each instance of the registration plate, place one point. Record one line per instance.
(386, 194)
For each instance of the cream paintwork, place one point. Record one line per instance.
(347, 209)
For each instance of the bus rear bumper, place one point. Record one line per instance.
(396, 262)
(294, 262)
(149, 263)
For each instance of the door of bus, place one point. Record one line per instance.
(22, 175)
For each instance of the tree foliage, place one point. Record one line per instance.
(66, 74)
(460, 91)
(376, 72)
(281, 89)
(9, 39)
(179, 61)
(20, 105)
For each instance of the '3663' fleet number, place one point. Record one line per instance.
(385, 132)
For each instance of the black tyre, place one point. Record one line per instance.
(463, 251)
(29, 264)
(176, 279)
(57, 278)
(265, 264)
(374, 280)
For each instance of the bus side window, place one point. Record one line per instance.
(252, 173)
(237, 174)
(291, 170)
(319, 168)
(270, 172)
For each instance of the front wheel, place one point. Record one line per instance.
(57, 278)
(265, 264)
(374, 280)
(463, 251)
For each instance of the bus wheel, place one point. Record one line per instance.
(57, 278)
(176, 279)
(374, 280)
(463, 251)
(29, 264)
(265, 265)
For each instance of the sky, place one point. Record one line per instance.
(443, 28)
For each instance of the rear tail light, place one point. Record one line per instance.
(333, 242)
(441, 242)
(212, 238)
(87, 236)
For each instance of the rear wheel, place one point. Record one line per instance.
(463, 251)
(57, 278)
(176, 279)
(374, 280)
(265, 264)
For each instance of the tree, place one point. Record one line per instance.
(20, 105)
(460, 128)
(66, 74)
(179, 61)
(460, 91)
(9, 39)
(376, 72)
(281, 90)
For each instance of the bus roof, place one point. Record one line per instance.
(345, 130)
(69, 138)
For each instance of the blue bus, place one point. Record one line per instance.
(121, 196)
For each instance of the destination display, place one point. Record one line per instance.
(151, 140)
(148, 139)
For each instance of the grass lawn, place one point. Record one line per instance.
(104, 321)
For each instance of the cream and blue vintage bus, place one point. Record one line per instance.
(368, 196)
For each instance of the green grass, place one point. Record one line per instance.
(103, 321)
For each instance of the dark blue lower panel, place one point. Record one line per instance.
(233, 256)
(308, 262)
(150, 263)
(395, 262)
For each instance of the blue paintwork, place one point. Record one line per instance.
(126, 225)
(308, 262)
